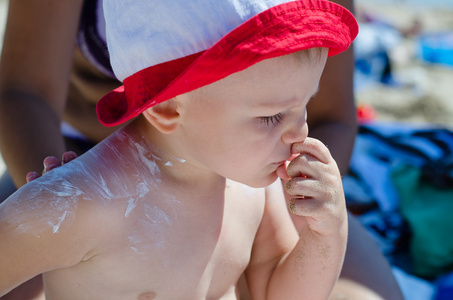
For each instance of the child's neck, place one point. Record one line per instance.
(171, 163)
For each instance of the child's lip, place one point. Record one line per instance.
(287, 160)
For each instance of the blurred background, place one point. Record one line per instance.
(400, 183)
(405, 59)
(3, 15)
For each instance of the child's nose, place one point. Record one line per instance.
(296, 133)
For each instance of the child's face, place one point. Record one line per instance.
(242, 127)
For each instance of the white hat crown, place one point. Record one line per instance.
(143, 33)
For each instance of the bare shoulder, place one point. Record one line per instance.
(63, 205)
(53, 204)
(41, 218)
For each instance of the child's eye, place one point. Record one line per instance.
(275, 119)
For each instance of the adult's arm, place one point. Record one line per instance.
(34, 77)
(332, 119)
(331, 115)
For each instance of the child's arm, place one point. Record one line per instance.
(38, 233)
(284, 267)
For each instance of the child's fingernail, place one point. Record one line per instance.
(292, 205)
(288, 186)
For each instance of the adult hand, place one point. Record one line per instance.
(51, 162)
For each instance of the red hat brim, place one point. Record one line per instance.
(280, 30)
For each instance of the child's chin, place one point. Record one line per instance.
(262, 182)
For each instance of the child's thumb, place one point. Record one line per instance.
(281, 172)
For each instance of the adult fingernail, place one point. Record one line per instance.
(68, 156)
(31, 176)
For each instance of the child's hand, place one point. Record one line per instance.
(316, 187)
(51, 162)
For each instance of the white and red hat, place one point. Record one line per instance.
(161, 49)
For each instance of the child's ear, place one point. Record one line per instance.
(164, 116)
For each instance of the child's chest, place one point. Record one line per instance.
(174, 251)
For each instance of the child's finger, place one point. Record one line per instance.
(304, 206)
(305, 165)
(282, 169)
(309, 207)
(313, 147)
(303, 187)
(317, 214)
(282, 172)
(308, 188)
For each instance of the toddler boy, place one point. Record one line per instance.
(185, 199)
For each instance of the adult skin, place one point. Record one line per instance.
(53, 82)
(44, 79)
(33, 91)
(332, 119)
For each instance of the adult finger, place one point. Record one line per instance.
(31, 176)
(50, 162)
(68, 156)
